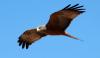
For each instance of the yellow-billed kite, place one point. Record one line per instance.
(57, 25)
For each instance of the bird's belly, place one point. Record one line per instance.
(55, 33)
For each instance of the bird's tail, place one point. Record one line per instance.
(67, 34)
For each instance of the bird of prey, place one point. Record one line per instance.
(56, 25)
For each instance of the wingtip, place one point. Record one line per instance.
(82, 11)
(23, 45)
(27, 45)
(67, 6)
(74, 7)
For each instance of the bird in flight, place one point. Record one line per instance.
(57, 24)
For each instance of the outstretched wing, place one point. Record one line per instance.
(61, 20)
(28, 37)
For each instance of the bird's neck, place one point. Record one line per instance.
(41, 28)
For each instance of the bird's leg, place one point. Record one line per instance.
(67, 34)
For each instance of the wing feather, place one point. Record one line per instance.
(60, 20)
(28, 37)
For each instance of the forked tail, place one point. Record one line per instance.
(67, 34)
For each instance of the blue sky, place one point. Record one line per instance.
(16, 16)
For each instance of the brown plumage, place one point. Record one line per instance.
(57, 25)
(29, 36)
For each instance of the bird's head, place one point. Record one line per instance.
(41, 28)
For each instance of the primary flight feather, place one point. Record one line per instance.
(56, 25)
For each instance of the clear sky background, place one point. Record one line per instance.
(16, 16)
